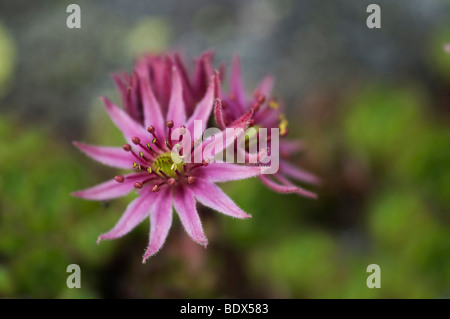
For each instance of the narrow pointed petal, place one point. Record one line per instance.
(160, 222)
(111, 156)
(120, 79)
(218, 114)
(212, 196)
(184, 203)
(176, 111)
(203, 109)
(286, 189)
(188, 92)
(224, 172)
(299, 174)
(265, 86)
(290, 147)
(239, 126)
(244, 121)
(151, 108)
(135, 213)
(236, 84)
(109, 189)
(123, 121)
(252, 157)
(202, 67)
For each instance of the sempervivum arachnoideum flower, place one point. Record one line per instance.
(267, 114)
(159, 180)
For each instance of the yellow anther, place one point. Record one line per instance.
(273, 104)
(283, 125)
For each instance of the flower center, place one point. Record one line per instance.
(165, 164)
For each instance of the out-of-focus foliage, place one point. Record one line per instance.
(7, 59)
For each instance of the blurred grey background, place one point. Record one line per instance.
(307, 45)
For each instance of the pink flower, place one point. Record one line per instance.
(158, 97)
(156, 70)
(268, 114)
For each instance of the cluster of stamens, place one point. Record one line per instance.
(155, 159)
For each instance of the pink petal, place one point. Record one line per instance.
(123, 121)
(218, 114)
(111, 156)
(188, 91)
(265, 86)
(152, 110)
(212, 196)
(244, 121)
(177, 111)
(252, 157)
(236, 84)
(285, 189)
(203, 109)
(290, 147)
(109, 189)
(297, 173)
(202, 67)
(135, 213)
(224, 172)
(160, 222)
(184, 203)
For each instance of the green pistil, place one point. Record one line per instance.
(165, 164)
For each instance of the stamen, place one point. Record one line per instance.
(160, 171)
(283, 125)
(155, 188)
(151, 130)
(119, 178)
(136, 140)
(126, 147)
(138, 185)
(168, 142)
(203, 163)
(273, 103)
(171, 181)
(191, 179)
(194, 145)
(140, 167)
(141, 155)
(151, 150)
(155, 141)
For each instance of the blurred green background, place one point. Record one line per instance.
(372, 106)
